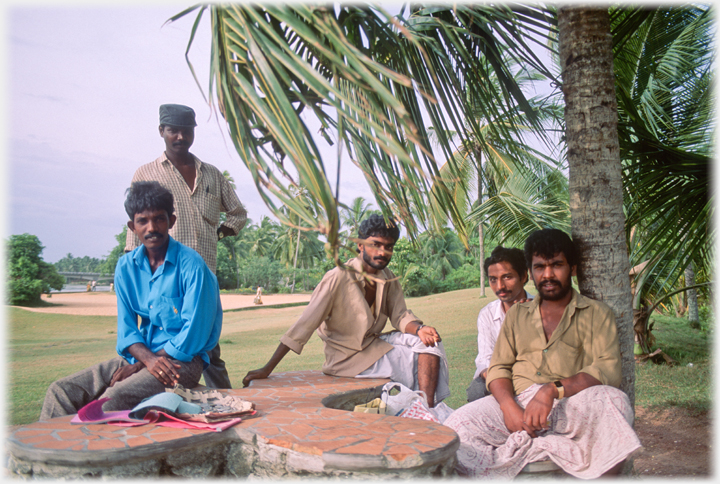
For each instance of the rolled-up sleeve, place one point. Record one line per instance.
(399, 315)
(317, 311)
(233, 208)
(604, 349)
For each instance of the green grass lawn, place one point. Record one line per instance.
(45, 347)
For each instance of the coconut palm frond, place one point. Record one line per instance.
(664, 81)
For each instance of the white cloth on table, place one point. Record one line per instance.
(589, 433)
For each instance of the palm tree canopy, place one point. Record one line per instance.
(367, 77)
(664, 75)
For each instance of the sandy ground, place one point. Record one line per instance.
(104, 303)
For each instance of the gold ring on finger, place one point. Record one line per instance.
(160, 372)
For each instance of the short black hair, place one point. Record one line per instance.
(147, 195)
(514, 256)
(547, 243)
(375, 226)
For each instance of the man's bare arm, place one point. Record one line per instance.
(502, 390)
(265, 371)
(538, 409)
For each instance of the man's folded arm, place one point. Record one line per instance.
(200, 305)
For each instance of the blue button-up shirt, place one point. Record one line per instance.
(179, 305)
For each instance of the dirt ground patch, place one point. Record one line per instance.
(105, 303)
(676, 443)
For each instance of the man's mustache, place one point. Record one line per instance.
(550, 281)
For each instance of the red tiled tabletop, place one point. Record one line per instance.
(289, 415)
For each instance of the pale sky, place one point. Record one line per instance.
(83, 87)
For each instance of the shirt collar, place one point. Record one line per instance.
(499, 311)
(164, 159)
(357, 264)
(140, 256)
(576, 301)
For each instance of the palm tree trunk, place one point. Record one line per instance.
(237, 267)
(481, 253)
(297, 249)
(596, 197)
(481, 235)
(692, 300)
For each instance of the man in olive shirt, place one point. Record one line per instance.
(553, 376)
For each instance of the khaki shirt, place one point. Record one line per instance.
(346, 324)
(584, 341)
(197, 209)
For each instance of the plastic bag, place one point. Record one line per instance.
(398, 397)
(419, 410)
(441, 411)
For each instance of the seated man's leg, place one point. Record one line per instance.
(589, 435)
(428, 370)
(67, 395)
(403, 364)
(477, 389)
(137, 387)
(480, 425)
(216, 375)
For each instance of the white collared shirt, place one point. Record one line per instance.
(489, 322)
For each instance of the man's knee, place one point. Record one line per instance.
(429, 363)
(477, 389)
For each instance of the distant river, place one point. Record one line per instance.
(80, 288)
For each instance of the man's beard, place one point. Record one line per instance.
(556, 296)
(378, 265)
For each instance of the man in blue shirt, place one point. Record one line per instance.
(176, 296)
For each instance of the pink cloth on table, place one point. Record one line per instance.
(93, 413)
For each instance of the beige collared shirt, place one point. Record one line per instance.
(197, 209)
(346, 324)
(584, 341)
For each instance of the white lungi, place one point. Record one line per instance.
(400, 363)
(590, 432)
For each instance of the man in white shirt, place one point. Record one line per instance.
(508, 275)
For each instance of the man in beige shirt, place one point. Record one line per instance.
(349, 310)
(201, 193)
(553, 376)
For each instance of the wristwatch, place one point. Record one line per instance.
(561, 389)
(417, 331)
(220, 233)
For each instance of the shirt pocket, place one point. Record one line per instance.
(210, 209)
(563, 358)
(165, 313)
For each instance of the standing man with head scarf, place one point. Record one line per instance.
(201, 192)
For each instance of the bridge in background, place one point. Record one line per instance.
(87, 276)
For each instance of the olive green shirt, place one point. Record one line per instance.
(346, 324)
(584, 341)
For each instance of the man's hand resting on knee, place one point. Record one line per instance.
(125, 371)
(427, 334)
(158, 364)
